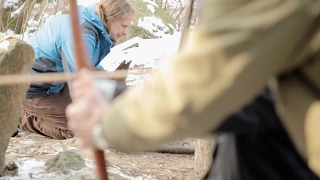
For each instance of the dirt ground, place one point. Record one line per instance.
(146, 165)
(28, 152)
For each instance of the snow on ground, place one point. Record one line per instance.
(4, 45)
(151, 2)
(32, 169)
(10, 3)
(148, 56)
(148, 52)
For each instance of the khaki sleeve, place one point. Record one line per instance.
(227, 61)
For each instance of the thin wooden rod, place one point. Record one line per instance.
(56, 77)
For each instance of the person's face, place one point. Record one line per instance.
(119, 28)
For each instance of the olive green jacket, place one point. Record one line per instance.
(238, 48)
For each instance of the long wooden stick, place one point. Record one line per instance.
(57, 77)
(83, 62)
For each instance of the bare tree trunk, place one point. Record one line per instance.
(165, 6)
(1, 14)
(179, 17)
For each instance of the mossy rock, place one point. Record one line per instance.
(146, 12)
(10, 169)
(64, 162)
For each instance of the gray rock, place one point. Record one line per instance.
(10, 169)
(64, 162)
(16, 57)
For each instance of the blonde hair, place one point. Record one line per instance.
(112, 10)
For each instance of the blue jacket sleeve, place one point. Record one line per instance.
(68, 52)
(67, 55)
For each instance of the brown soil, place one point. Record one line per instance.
(146, 165)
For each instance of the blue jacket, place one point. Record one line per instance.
(53, 46)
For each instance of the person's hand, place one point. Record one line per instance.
(124, 65)
(86, 108)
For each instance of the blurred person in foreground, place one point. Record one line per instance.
(250, 72)
(103, 24)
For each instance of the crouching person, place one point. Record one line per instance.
(103, 24)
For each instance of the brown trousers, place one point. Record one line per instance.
(46, 115)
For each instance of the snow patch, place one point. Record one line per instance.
(151, 2)
(32, 169)
(4, 45)
(10, 3)
(149, 52)
(33, 23)
(151, 8)
(17, 11)
(153, 25)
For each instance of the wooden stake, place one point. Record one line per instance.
(203, 155)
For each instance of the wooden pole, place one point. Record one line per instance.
(57, 77)
(83, 62)
(203, 155)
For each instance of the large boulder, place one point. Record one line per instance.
(16, 57)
